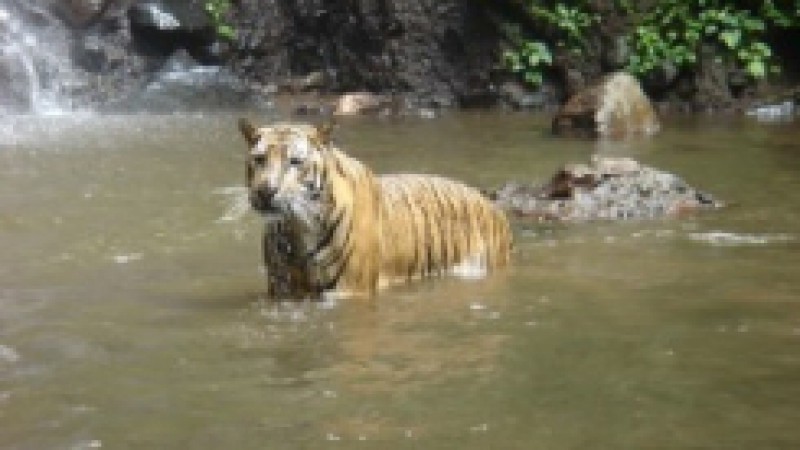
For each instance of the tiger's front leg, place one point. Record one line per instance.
(286, 274)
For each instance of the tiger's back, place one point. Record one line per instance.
(432, 225)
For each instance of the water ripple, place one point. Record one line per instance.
(237, 204)
(726, 238)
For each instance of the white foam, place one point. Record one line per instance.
(726, 238)
(472, 267)
(128, 257)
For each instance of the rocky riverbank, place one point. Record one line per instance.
(422, 55)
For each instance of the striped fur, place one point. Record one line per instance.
(334, 228)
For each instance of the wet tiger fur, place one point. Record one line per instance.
(334, 228)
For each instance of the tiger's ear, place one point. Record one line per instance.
(248, 131)
(325, 131)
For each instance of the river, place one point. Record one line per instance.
(132, 311)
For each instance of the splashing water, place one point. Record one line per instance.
(237, 203)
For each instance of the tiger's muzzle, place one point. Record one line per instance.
(262, 199)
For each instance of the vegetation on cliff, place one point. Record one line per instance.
(653, 34)
(218, 11)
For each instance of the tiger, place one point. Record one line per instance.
(335, 229)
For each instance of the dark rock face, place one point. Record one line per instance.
(161, 27)
(604, 189)
(711, 80)
(438, 53)
(81, 13)
(613, 107)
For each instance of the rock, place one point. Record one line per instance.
(162, 26)
(310, 82)
(80, 13)
(604, 189)
(519, 96)
(185, 85)
(711, 79)
(170, 15)
(614, 107)
(440, 53)
(356, 103)
(616, 52)
(662, 78)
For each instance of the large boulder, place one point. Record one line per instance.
(614, 107)
(604, 189)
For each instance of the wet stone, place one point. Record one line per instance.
(604, 189)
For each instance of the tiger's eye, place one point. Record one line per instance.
(259, 160)
(295, 161)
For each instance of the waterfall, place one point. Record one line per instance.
(146, 56)
(36, 72)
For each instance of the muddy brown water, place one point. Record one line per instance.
(132, 316)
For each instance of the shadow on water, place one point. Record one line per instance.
(132, 311)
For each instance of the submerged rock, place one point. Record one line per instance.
(604, 189)
(614, 107)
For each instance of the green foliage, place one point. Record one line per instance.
(674, 30)
(529, 60)
(569, 22)
(668, 31)
(566, 22)
(217, 11)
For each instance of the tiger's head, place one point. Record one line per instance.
(285, 176)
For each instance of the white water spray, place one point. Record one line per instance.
(35, 59)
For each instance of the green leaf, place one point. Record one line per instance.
(226, 31)
(753, 24)
(757, 68)
(731, 38)
(762, 49)
(534, 78)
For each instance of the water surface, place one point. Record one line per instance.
(132, 311)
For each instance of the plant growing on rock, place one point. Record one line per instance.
(674, 30)
(528, 61)
(662, 32)
(218, 11)
(565, 22)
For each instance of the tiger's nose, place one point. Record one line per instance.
(263, 196)
(267, 192)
